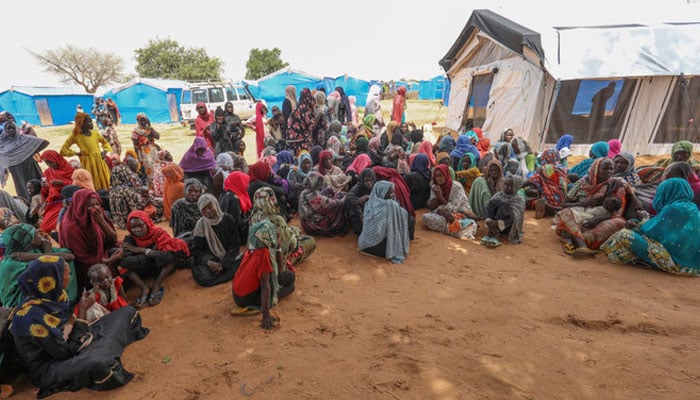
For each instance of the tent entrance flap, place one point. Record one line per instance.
(172, 107)
(478, 101)
(42, 107)
(591, 111)
(680, 120)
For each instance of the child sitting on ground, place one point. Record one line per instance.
(109, 293)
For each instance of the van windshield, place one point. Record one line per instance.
(242, 94)
(199, 95)
(186, 97)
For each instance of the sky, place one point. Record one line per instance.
(368, 39)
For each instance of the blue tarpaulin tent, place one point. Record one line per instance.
(271, 87)
(44, 105)
(433, 89)
(354, 87)
(158, 98)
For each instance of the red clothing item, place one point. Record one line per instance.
(399, 100)
(259, 128)
(155, 236)
(118, 301)
(403, 193)
(254, 265)
(52, 192)
(201, 126)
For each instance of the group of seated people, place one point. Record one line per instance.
(230, 221)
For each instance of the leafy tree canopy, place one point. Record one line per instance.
(166, 58)
(263, 61)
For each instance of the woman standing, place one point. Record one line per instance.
(260, 123)
(89, 151)
(17, 155)
(58, 174)
(143, 137)
(399, 106)
(385, 231)
(301, 122)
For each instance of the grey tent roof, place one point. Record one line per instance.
(510, 34)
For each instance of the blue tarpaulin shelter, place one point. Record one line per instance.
(354, 87)
(271, 87)
(44, 106)
(158, 98)
(433, 89)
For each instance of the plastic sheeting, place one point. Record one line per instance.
(61, 107)
(141, 97)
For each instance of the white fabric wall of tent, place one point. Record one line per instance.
(526, 92)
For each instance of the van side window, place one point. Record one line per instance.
(230, 95)
(199, 95)
(216, 95)
(242, 94)
(186, 97)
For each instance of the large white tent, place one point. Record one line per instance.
(638, 83)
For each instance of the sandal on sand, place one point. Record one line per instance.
(568, 248)
(584, 252)
(489, 241)
(237, 311)
(156, 297)
(141, 302)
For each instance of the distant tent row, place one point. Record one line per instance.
(44, 105)
(636, 83)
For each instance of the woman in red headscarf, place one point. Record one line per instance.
(149, 251)
(261, 176)
(58, 174)
(87, 231)
(236, 202)
(397, 112)
(449, 208)
(202, 122)
(333, 176)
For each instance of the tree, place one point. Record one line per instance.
(88, 67)
(166, 58)
(262, 62)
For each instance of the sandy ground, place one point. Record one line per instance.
(456, 321)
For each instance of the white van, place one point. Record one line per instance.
(215, 94)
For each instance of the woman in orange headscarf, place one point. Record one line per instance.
(81, 177)
(173, 188)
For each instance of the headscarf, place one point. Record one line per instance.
(205, 226)
(259, 171)
(46, 307)
(301, 121)
(237, 182)
(630, 174)
(385, 219)
(333, 144)
(283, 157)
(80, 233)
(614, 147)
(447, 144)
(359, 164)
(682, 145)
(313, 182)
(63, 171)
(427, 148)
(322, 157)
(224, 162)
(398, 104)
(447, 186)
(303, 156)
(270, 160)
(517, 204)
(421, 165)
(479, 133)
(565, 142)
(495, 185)
(373, 94)
(79, 120)
(259, 127)
(391, 127)
(598, 150)
(484, 146)
(173, 187)
(315, 151)
(361, 144)
(192, 162)
(464, 146)
(155, 235)
(473, 135)
(264, 204)
(417, 136)
(472, 162)
(345, 102)
(550, 180)
(670, 191)
(7, 219)
(403, 193)
(82, 177)
(290, 93)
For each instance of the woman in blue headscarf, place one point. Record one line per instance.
(385, 230)
(598, 150)
(662, 241)
(464, 146)
(565, 142)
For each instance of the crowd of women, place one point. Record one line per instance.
(63, 265)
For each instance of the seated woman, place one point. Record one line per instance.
(684, 171)
(333, 176)
(295, 247)
(526, 160)
(385, 232)
(464, 146)
(662, 241)
(467, 172)
(598, 150)
(173, 188)
(321, 214)
(215, 244)
(356, 199)
(82, 178)
(262, 278)
(224, 166)
(284, 163)
(681, 151)
(449, 207)
(236, 202)
(624, 168)
(198, 162)
(418, 180)
(505, 213)
(403, 195)
(296, 177)
(86, 230)
(58, 174)
(150, 252)
(584, 236)
(261, 176)
(60, 353)
(486, 186)
(185, 212)
(545, 191)
(128, 193)
(23, 244)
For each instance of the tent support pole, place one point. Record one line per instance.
(552, 102)
(667, 100)
(635, 97)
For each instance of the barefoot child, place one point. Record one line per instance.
(109, 293)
